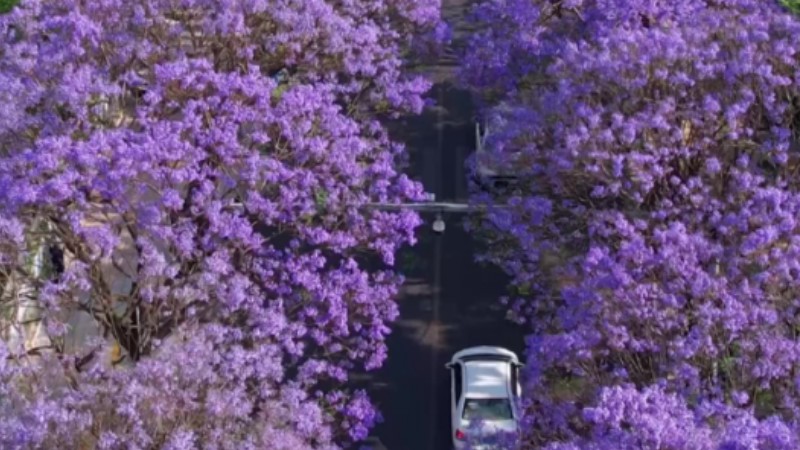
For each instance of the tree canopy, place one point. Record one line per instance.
(202, 165)
(652, 236)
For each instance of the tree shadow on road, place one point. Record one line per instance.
(439, 140)
(412, 388)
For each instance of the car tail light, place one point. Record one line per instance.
(460, 435)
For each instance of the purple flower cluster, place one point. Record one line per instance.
(653, 235)
(626, 418)
(190, 394)
(213, 155)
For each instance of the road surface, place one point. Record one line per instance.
(448, 302)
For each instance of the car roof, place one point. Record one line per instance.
(484, 352)
(486, 379)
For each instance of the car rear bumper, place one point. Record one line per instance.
(461, 445)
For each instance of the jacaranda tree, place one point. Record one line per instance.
(188, 176)
(652, 236)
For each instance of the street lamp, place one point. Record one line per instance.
(436, 207)
(438, 224)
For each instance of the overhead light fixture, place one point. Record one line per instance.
(438, 224)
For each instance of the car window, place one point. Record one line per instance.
(458, 381)
(487, 409)
(514, 379)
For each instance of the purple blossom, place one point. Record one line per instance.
(202, 164)
(664, 258)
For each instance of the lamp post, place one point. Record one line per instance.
(440, 208)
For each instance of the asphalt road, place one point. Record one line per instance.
(448, 301)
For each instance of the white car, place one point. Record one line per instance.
(484, 383)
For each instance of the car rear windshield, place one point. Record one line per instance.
(487, 409)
